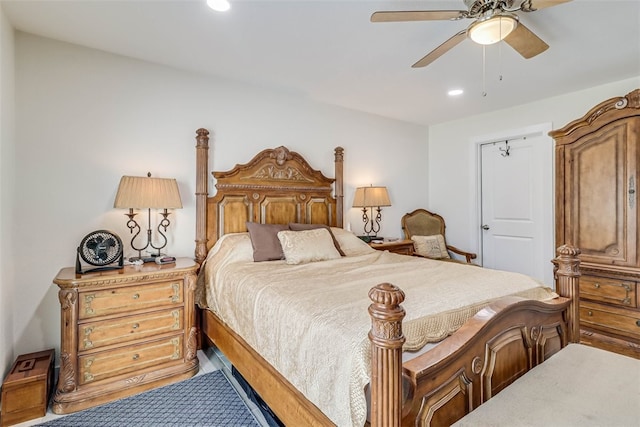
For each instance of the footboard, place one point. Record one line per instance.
(496, 347)
(500, 344)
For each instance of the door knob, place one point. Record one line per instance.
(485, 227)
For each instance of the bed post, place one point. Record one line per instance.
(567, 275)
(339, 184)
(202, 192)
(386, 355)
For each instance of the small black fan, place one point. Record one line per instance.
(101, 248)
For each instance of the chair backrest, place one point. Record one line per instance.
(421, 222)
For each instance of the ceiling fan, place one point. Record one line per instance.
(494, 20)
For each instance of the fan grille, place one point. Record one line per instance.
(100, 248)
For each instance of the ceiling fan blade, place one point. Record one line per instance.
(525, 42)
(418, 15)
(441, 50)
(531, 5)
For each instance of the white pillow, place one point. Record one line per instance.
(430, 246)
(351, 244)
(300, 247)
(234, 247)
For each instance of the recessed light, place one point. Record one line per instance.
(219, 5)
(455, 92)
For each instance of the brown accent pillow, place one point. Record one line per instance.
(296, 226)
(264, 239)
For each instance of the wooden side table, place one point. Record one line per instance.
(403, 247)
(124, 331)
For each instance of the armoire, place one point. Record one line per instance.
(597, 162)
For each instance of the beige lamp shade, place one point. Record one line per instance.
(142, 192)
(370, 197)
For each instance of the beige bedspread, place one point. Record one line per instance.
(310, 321)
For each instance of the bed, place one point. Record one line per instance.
(512, 331)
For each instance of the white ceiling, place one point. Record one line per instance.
(329, 51)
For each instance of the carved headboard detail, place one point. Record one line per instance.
(277, 186)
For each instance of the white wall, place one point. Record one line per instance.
(7, 144)
(84, 118)
(452, 194)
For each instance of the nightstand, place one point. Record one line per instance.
(124, 331)
(403, 247)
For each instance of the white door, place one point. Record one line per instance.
(516, 198)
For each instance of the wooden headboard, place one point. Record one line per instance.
(277, 186)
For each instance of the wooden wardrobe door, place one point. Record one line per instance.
(601, 211)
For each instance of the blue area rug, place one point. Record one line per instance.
(205, 400)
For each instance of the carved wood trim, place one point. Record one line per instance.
(192, 344)
(567, 274)
(386, 354)
(603, 113)
(202, 192)
(339, 185)
(101, 282)
(278, 164)
(67, 298)
(548, 340)
(67, 378)
(283, 188)
(190, 282)
(513, 341)
(135, 380)
(458, 385)
(271, 173)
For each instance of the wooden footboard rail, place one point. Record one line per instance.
(497, 346)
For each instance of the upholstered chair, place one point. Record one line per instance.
(427, 229)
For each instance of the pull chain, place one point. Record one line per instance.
(500, 61)
(500, 43)
(484, 70)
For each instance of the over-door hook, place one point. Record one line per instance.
(505, 151)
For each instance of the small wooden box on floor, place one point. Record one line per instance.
(27, 387)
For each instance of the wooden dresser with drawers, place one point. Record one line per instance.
(597, 164)
(124, 331)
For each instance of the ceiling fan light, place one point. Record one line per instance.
(492, 30)
(219, 5)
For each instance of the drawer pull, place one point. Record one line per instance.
(135, 326)
(136, 296)
(597, 285)
(136, 357)
(637, 322)
(590, 313)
